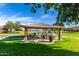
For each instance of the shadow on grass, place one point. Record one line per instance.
(33, 49)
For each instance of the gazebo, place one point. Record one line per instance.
(44, 27)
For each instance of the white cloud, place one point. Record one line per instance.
(3, 20)
(14, 18)
(46, 16)
(20, 19)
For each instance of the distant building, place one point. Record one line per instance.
(73, 29)
(3, 29)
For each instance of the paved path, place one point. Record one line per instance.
(2, 38)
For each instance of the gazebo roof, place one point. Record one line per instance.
(41, 26)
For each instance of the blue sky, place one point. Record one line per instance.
(22, 13)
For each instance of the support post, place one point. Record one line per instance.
(26, 34)
(59, 34)
(46, 32)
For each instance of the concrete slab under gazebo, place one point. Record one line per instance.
(42, 26)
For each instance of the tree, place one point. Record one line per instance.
(10, 25)
(59, 24)
(13, 26)
(67, 12)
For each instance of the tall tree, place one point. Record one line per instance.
(67, 12)
(13, 26)
(10, 25)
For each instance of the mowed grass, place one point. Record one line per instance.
(72, 34)
(66, 47)
(3, 35)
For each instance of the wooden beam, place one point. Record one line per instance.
(59, 34)
(42, 27)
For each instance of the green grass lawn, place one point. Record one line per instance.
(72, 34)
(3, 35)
(59, 48)
(66, 47)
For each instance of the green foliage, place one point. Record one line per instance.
(13, 26)
(10, 25)
(59, 24)
(67, 12)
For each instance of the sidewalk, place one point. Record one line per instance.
(1, 38)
